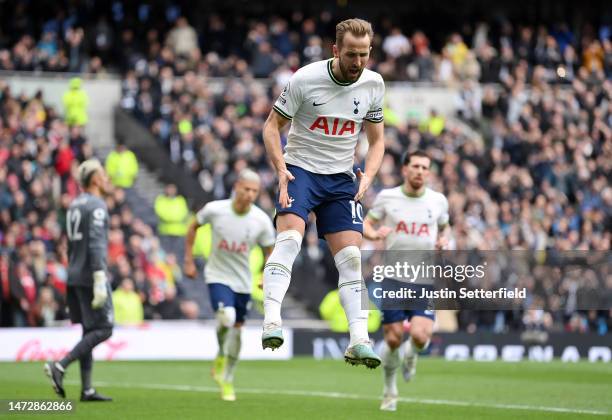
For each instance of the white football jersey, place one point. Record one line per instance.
(327, 116)
(233, 237)
(414, 220)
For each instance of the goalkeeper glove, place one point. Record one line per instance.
(99, 290)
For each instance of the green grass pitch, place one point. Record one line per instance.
(304, 388)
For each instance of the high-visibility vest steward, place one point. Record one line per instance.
(173, 214)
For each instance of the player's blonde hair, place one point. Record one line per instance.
(86, 171)
(358, 27)
(249, 175)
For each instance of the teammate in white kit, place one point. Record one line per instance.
(237, 226)
(408, 217)
(327, 103)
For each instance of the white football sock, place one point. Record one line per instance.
(226, 317)
(221, 333)
(351, 288)
(277, 273)
(390, 361)
(232, 351)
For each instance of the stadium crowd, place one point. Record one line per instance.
(536, 178)
(116, 36)
(39, 154)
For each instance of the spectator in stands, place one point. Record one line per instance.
(47, 308)
(265, 61)
(173, 214)
(75, 38)
(64, 158)
(127, 304)
(446, 73)
(122, 166)
(457, 50)
(434, 124)
(103, 38)
(76, 102)
(593, 58)
(607, 45)
(396, 44)
(47, 46)
(183, 39)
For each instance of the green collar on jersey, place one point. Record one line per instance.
(240, 214)
(412, 195)
(331, 74)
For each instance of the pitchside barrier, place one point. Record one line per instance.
(162, 340)
(481, 346)
(187, 340)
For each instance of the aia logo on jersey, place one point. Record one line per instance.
(412, 228)
(333, 126)
(239, 248)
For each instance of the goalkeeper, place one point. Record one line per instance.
(88, 297)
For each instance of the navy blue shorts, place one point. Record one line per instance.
(331, 197)
(393, 311)
(222, 294)
(390, 316)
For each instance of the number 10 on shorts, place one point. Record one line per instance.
(356, 212)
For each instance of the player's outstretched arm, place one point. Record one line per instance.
(271, 136)
(376, 150)
(189, 268)
(371, 232)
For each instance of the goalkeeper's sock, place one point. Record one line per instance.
(221, 334)
(232, 351)
(277, 274)
(351, 288)
(390, 361)
(86, 363)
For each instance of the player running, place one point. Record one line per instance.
(327, 103)
(237, 226)
(411, 217)
(89, 291)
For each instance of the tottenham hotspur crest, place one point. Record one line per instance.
(356, 102)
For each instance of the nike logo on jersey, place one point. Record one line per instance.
(314, 103)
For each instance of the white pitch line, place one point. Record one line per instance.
(341, 395)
